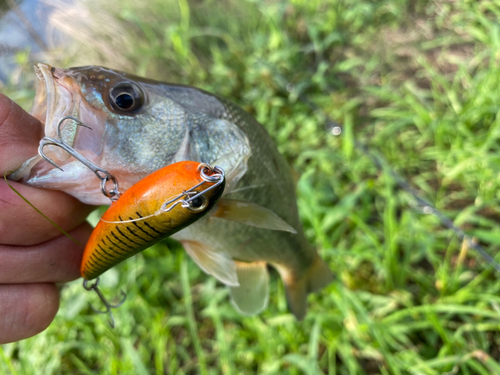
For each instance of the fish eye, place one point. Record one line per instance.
(126, 97)
(198, 204)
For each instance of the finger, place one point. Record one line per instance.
(20, 224)
(26, 309)
(20, 134)
(54, 261)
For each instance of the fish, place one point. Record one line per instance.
(154, 208)
(139, 125)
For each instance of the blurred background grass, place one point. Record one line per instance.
(417, 81)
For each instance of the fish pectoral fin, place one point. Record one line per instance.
(251, 214)
(217, 264)
(252, 296)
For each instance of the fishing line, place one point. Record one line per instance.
(383, 166)
(37, 210)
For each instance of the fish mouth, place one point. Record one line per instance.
(58, 95)
(55, 98)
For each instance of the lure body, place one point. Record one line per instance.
(111, 242)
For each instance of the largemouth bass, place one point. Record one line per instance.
(139, 126)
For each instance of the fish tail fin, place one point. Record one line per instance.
(316, 277)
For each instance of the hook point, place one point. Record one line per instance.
(108, 306)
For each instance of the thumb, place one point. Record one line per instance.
(20, 134)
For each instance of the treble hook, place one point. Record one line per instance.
(53, 142)
(107, 305)
(102, 174)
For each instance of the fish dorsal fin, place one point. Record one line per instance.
(217, 264)
(252, 296)
(251, 214)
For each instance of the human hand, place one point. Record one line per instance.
(34, 255)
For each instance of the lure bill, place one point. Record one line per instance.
(156, 207)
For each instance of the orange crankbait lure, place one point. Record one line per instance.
(156, 207)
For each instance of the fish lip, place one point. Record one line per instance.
(43, 87)
(43, 107)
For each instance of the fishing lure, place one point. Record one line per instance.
(156, 207)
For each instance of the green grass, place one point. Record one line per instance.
(417, 82)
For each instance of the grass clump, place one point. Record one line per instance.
(415, 81)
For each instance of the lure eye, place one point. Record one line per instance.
(198, 204)
(126, 97)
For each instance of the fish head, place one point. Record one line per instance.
(137, 126)
(109, 102)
